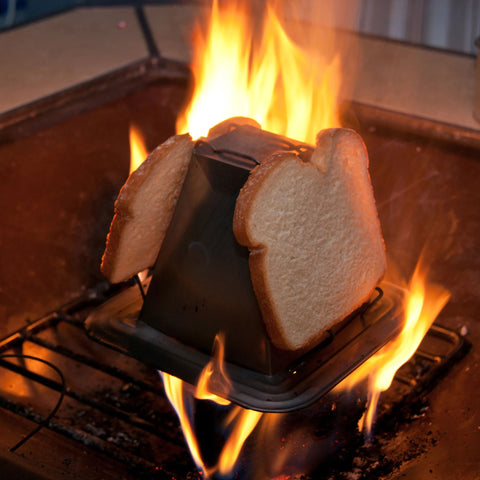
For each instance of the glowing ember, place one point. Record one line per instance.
(138, 151)
(271, 80)
(423, 303)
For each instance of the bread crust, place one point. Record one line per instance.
(170, 160)
(333, 145)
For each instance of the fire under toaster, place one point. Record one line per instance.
(200, 286)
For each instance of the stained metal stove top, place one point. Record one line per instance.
(55, 220)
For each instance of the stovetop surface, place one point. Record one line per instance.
(58, 189)
(427, 195)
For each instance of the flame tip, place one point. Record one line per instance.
(138, 150)
(423, 301)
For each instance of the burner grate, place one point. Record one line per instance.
(116, 406)
(122, 414)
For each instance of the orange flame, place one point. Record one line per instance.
(277, 84)
(175, 390)
(240, 423)
(423, 303)
(244, 421)
(214, 372)
(138, 150)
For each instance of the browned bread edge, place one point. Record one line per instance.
(123, 212)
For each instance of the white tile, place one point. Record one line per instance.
(427, 83)
(48, 56)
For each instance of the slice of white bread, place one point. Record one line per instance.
(316, 248)
(144, 208)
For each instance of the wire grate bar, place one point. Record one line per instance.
(91, 362)
(85, 438)
(129, 418)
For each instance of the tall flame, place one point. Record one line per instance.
(423, 303)
(175, 390)
(272, 80)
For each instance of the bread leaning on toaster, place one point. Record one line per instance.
(144, 209)
(312, 229)
(316, 249)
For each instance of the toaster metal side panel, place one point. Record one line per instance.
(201, 281)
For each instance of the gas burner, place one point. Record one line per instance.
(117, 407)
